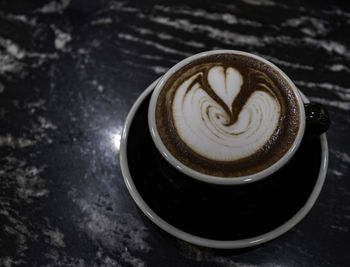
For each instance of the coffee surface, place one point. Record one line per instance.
(227, 115)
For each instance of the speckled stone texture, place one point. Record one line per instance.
(70, 70)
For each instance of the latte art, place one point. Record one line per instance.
(227, 115)
(206, 125)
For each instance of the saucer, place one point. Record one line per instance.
(218, 216)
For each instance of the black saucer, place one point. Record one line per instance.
(247, 213)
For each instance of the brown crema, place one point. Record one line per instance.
(256, 74)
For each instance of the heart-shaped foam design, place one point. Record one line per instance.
(226, 83)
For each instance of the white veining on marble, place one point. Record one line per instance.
(150, 43)
(281, 62)
(40, 128)
(336, 172)
(54, 7)
(235, 38)
(105, 259)
(213, 16)
(165, 36)
(24, 181)
(56, 237)
(338, 12)
(24, 184)
(155, 69)
(225, 36)
(23, 178)
(339, 67)
(122, 5)
(343, 156)
(62, 39)
(15, 142)
(332, 47)
(102, 21)
(59, 257)
(147, 56)
(42, 57)
(159, 69)
(46, 124)
(327, 86)
(259, 2)
(37, 104)
(8, 261)
(15, 226)
(13, 49)
(30, 183)
(340, 228)
(131, 259)
(206, 255)
(8, 65)
(332, 103)
(10, 60)
(15, 59)
(18, 18)
(121, 234)
(342, 92)
(329, 46)
(308, 25)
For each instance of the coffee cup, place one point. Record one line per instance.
(230, 117)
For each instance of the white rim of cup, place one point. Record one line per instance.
(219, 244)
(215, 179)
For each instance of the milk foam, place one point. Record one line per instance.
(204, 125)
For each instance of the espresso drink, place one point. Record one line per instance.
(227, 115)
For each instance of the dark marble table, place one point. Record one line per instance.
(70, 71)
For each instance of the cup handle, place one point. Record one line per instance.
(317, 120)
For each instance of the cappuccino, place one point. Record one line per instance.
(227, 115)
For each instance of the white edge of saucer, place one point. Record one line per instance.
(220, 244)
